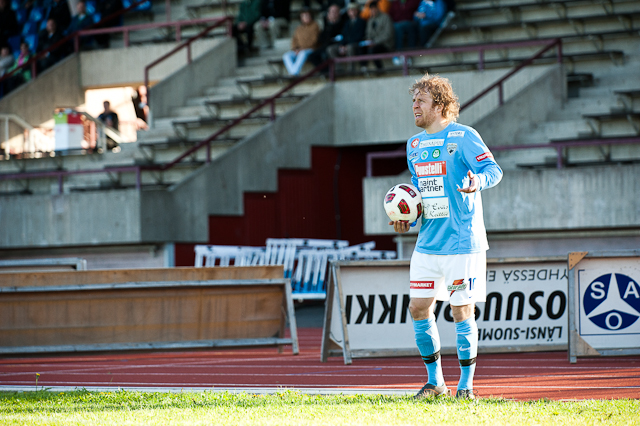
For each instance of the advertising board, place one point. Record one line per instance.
(605, 307)
(367, 309)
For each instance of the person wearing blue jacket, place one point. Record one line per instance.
(428, 16)
(450, 165)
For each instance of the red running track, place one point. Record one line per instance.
(522, 376)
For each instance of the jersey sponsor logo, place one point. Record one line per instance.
(414, 155)
(451, 148)
(424, 155)
(414, 143)
(436, 153)
(431, 142)
(484, 156)
(433, 168)
(457, 285)
(431, 187)
(422, 285)
(456, 134)
(435, 208)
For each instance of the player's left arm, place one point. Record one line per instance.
(483, 172)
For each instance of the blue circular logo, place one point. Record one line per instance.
(612, 301)
(424, 155)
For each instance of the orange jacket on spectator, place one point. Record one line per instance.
(383, 6)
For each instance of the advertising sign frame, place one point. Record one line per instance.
(336, 340)
(578, 345)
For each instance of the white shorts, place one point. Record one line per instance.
(459, 278)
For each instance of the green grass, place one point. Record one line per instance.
(291, 408)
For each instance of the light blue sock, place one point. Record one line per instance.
(467, 346)
(428, 341)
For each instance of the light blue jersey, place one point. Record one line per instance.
(452, 221)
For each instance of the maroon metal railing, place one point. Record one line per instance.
(73, 36)
(558, 146)
(187, 44)
(126, 30)
(547, 45)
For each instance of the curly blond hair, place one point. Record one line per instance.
(441, 93)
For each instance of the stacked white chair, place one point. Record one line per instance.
(305, 261)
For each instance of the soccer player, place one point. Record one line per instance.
(450, 165)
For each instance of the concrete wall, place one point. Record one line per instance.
(56, 87)
(552, 199)
(125, 66)
(379, 110)
(189, 81)
(539, 200)
(80, 218)
(251, 165)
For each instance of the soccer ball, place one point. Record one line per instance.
(403, 203)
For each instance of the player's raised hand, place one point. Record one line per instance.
(400, 226)
(474, 183)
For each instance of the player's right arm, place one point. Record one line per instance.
(400, 227)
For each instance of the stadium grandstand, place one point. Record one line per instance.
(219, 149)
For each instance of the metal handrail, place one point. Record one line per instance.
(480, 48)
(269, 101)
(125, 30)
(559, 146)
(32, 133)
(331, 64)
(219, 21)
(34, 58)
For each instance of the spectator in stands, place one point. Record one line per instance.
(352, 34)
(8, 22)
(303, 42)
(20, 77)
(429, 16)
(325, 4)
(107, 8)
(61, 13)
(331, 34)
(81, 20)
(274, 18)
(109, 117)
(47, 38)
(383, 6)
(401, 14)
(6, 59)
(378, 35)
(139, 100)
(242, 29)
